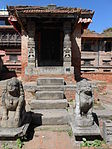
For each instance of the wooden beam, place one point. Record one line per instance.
(18, 18)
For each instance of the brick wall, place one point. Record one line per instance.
(98, 76)
(69, 79)
(24, 52)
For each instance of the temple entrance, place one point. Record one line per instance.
(50, 53)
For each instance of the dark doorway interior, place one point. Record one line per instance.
(50, 48)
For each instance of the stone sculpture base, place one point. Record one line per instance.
(14, 133)
(107, 131)
(85, 131)
(11, 122)
(84, 121)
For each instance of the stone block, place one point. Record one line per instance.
(47, 95)
(51, 117)
(13, 133)
(107, 131)
(50, 81)
(85, 131)
(48, 104)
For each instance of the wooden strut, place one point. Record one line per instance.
(18, 18)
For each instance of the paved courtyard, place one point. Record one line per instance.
(50, 140)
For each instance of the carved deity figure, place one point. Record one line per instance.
(13, 104)
(84, 104)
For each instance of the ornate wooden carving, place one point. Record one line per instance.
(11, 38)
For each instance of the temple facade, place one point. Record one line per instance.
(53, 41)
(50, 39)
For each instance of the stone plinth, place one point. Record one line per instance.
(14, 133)
(107, 131)
(85, 131)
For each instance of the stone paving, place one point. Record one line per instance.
(50, 140)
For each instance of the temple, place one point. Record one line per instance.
(50, 39)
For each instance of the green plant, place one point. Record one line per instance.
(19, 143)
(70, 133)
(5, 146)
(85, 143)
(95, 143)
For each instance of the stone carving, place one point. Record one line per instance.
(31, 53)
(31, 43)
(13, 104)
(83, 123)
(67, 52)
(84, 104)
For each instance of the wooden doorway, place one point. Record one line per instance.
(50, 53)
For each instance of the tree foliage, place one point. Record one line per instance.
(107, 30)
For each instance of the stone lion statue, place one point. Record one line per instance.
(13, 104)
(84, 103)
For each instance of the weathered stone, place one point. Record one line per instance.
(85, 131)
(84, 104)
(47, 95)
(48, 104)
(50, 81)
(83, 122)
(51, 116)
(107, 131)
(15, 133)
(13, 104)
(15, 121)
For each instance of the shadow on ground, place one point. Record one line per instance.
(35, 122)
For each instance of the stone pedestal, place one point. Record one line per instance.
(84, 121)
(92, 130)
(14, 133)
(107, 131)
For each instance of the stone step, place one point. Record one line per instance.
(50, 81)
(50, 117)
(33, 88)
(49, 95)
(48, 104)
(51, 88)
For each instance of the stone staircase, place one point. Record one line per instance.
(50, 102)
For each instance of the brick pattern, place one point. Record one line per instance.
(24, 52)
(70, 95)
(69, 79)
(98, 76)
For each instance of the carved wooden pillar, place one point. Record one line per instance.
(31, 43)
(67, 45)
